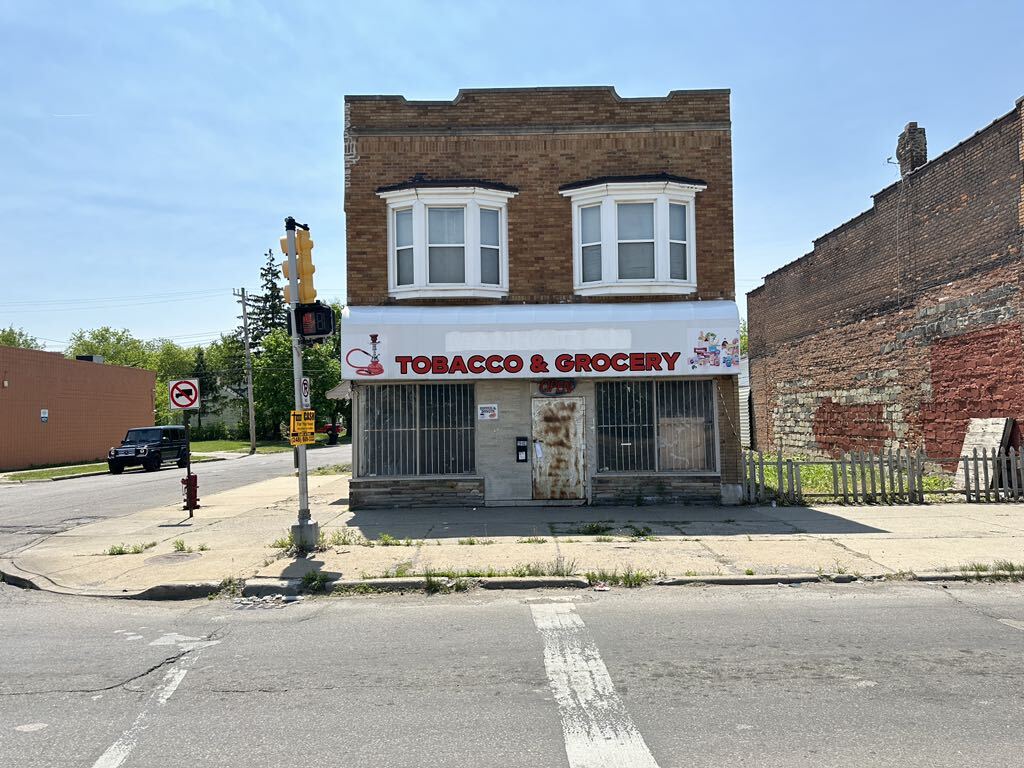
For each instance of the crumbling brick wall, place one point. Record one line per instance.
(906, 321)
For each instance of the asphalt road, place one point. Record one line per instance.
(817, 675)
(29, 511)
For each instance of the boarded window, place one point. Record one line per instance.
(656, 426)
(416, 429)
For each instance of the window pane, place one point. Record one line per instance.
(677, 222)
(590, 224)
(388, 434)
(488, 227)
(677, 261)
(686, 425)
(446, 265)
(404, 276)
(636, 260)
(591, 263)
(636, 221)
(625, 426)
(446, 225)
(490, 271)
(446, 429)
(403, 228)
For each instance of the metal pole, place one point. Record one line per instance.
(248, 371)
(188, 464)
(306, 532)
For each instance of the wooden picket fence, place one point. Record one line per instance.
(887, 477)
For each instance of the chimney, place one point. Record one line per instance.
(911, 149)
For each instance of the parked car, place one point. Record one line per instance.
(150, 447)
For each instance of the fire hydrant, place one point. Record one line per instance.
(190, 492)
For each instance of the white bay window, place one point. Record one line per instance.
(634, 236)
(447, 240)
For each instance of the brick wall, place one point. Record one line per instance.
(906, 321)
(90, 405)
(536, 140)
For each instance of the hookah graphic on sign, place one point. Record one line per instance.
(373, 368)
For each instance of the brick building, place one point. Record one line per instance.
(904, 322)
(59, 411)
(541, 300)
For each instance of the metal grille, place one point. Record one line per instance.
(410, 429)
(446, 429)
(645, 426)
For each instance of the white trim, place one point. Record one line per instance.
(471, 199)
(662, 194)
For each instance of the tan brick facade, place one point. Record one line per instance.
(536, 140)
(906, 321)
(90, 405)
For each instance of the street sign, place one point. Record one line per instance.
(304, 388)
(183, 394)
(44, 415)
(302, 430)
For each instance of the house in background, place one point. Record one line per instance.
(905, 322)
(59, 411)
(541, 303)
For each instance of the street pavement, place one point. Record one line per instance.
(897, 674)
(31, 511)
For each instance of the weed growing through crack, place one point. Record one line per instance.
(346, 537)
(133, 549)
(472, 541)
(229, 587)
(630, 577)
(402, 570)
(749, 572)
(285, 542)
(203, 548)
(533, 540)
(593, 529)
(640, 533)
(387, 540)
(179, 546)
(604, 539)
(314, 581)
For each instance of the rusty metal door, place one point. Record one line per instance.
(558, 447)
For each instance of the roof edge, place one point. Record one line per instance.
(610, 89)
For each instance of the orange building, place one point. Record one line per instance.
(58, 411)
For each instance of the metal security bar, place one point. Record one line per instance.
(656, 426)
(416, 429)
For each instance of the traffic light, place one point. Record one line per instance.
(304, 267)
(315, 321)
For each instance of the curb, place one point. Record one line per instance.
(262, 587)
(205, 460)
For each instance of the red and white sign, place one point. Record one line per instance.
(183, 394)
(531, 341)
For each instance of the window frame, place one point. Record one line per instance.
(471, 200)
(655, 432)
(608, 196)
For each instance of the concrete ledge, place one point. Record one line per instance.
(184, 590)
(533, 582)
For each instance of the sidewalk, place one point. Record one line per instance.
(231, 537)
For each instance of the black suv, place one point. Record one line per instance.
(150, 447)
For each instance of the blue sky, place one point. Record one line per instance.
(149, 150)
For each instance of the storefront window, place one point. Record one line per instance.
(416, 429)
(645, 426)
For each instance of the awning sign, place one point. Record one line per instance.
(541, 341)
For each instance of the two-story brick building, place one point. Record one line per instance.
(541, 304)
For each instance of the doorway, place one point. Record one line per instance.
(559, 443)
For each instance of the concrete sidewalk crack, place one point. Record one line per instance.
(852, 551)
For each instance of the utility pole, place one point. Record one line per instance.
(306, 532)
(248, 369)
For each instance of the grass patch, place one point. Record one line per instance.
(387, 540)
(1000, 570)
(630, 577)
(52, 472)
(285, 542)
(533, 540)
(346, 537)
(473, 541)
(356, 589)
(640, 533)
(229, 587)
(604, 539)
(333, 469)
(129, 549)
(242, 446)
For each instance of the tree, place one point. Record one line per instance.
(170, 361)
(116, 347)
(743, 337)
(269, 311)
(208, 389)
(16, 337)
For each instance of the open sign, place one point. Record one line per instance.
(551, 387)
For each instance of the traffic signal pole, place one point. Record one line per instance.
(306, 532)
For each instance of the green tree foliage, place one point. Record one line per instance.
(268, 310)
(273, 386)
(209, 389)
(16, 337)
(117, 347)
(743, 337)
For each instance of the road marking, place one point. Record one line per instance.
(119, 751)
(598, 731)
